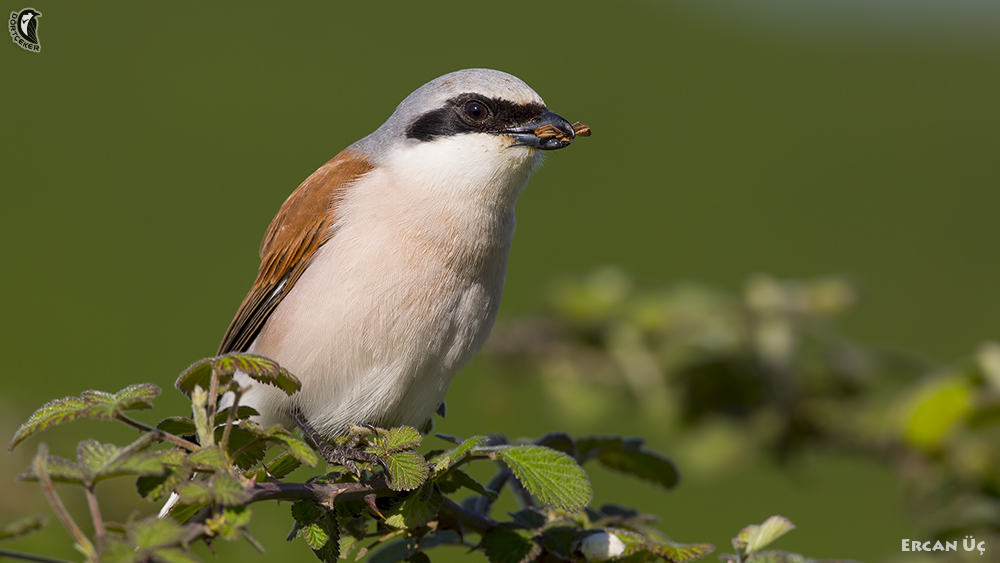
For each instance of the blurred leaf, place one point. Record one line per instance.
(97, 462)
(553, 477)
(629, 457)
(227, 490)
(22, 527)
(935, 410)
(90, 404)
(755, 537)
(230, 523)
(296, 448)
(318, 527)
(208, 459)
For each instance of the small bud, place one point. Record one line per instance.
(601, 547)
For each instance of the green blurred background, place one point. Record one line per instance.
(148, 145)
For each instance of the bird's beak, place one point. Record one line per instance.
(549, 132)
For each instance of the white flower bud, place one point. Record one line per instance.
(601, 547)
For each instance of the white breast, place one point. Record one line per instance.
(406, 291)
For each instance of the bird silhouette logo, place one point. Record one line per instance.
(24, 29)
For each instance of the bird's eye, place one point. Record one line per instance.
(476, 111)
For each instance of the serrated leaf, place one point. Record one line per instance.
(444, 461)
(50, 414)
(395, 439)
(199, 374)
(507, 544)
(319, 528)
(22, 527)
(260, 369)
(675, 552)
(253, 449)
(417, 509)
(137, 397)
(104, 461)
(627, 455)
(553, 477)
(754, 537)
(407, 470)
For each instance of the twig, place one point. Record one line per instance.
(49, 490)
(470, 521)
(95, 511)
(160, 434)
(30, 557)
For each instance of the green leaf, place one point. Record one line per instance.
(60, 470)
(174, 555)
(507, 544)
(444, 461)
(553, 477)
(90, 404)
(755, 537)
(50, 414)
(195, 492)
(177, 425)
(227, 490)
(417, 509)
(296, 448)
(260, 369)
(318, 527)
(230, 523)
(278, 468)
(97, 462)
(199, 374)
(462, 478)
(629, 457)
(407, 470)
(675, 552)
(208, 458)
(22, 527)
(154, 532)
(253, 449)
(396, 439)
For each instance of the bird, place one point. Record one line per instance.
(382, 273)
(28, 25)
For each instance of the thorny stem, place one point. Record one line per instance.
(160, 435)
(95, 511)
(340, 492)
(49, 490)
(30, 557)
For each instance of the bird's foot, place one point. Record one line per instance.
(348, 455)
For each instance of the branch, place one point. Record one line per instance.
(342, 492)
(49, 490)
(160, 434)
(30, 557)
